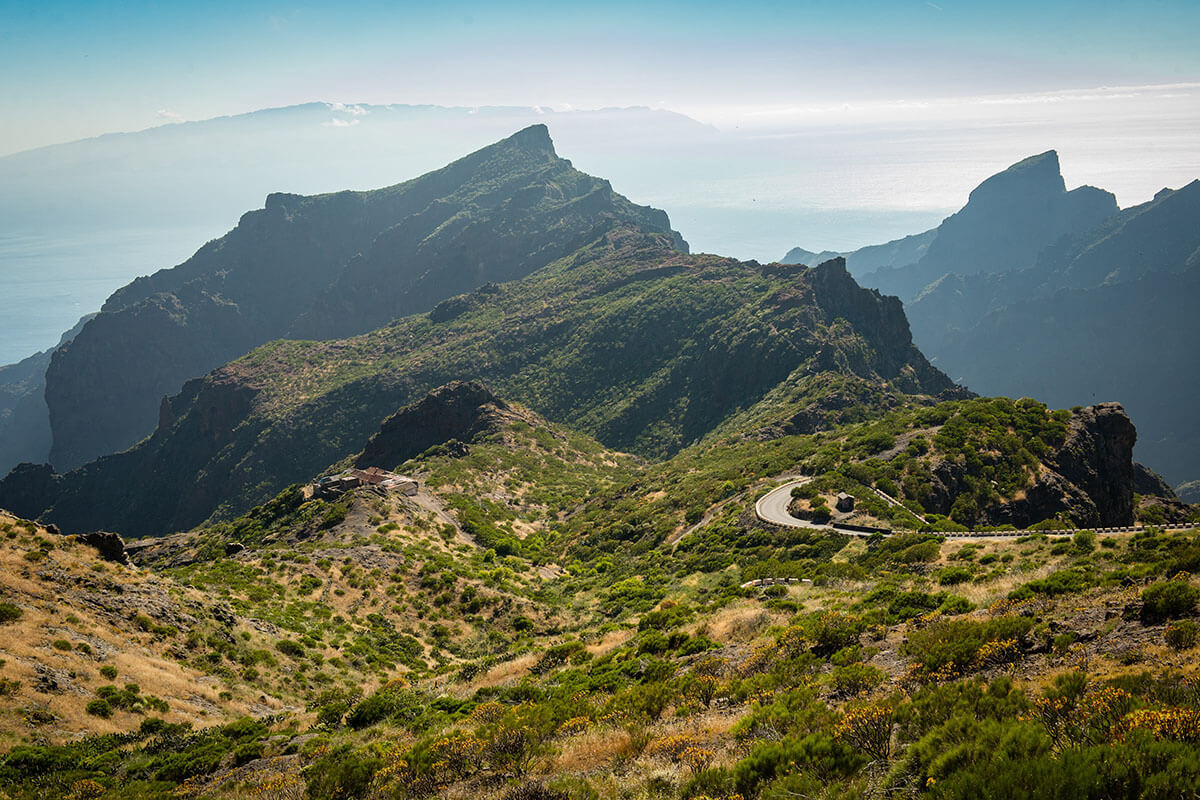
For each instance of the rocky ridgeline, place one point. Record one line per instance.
(456, 412)
(324, 267)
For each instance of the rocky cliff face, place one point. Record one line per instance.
(1107, 313)
(324, 266)
(1090, 478)
(24, 419)
(1006, 222)
(1098, 458)
(155, 487)
(881, 320)
(457, 411)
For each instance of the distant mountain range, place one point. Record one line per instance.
(1034, 290)
(200, 172)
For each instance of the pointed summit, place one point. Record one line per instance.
(1009, 218)
(1035, 176)
(534, 139)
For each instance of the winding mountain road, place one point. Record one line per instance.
(772, 507)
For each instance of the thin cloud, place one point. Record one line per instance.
(169, 116)
(356, 110)
(341, 123)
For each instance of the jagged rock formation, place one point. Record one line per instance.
(321, 267)
(1108, 313)
(1006, 222)
(1098, 458)
(1090, 478)
(628, 339)
(24, 419)
(458, 411)
(1031, 290)
(109, 545)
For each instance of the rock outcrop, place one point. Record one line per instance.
(458, 411)
(1089, 478)
(109, 545)
(1098, 458)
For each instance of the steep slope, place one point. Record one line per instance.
(629, 340)
(80, 629)
(1006, 222)
(329, 265)
(24, 419)
(1102, 314)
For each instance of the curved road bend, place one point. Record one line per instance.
(773, 507)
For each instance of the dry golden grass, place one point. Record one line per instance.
(743, 621)
(60, 682)
(595, 749)
(610, 641)
(507, 673)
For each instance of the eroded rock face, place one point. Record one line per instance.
(1090, 478)
(110, 545)
(29, 489)
(458, 411)
(1098, 458)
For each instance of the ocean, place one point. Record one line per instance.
(47, 282)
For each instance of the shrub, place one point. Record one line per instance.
(1167, 599)
(99, 708)
(387, 702)
(1181, 635)
(854, 679)
(830, 631)
(343, 773)
(9, 613)
(108, 671)
(62, 644)
(816, 753)
(1056, 583)
(956, 643)
(952, 576)
(534, 791)
(290, 648)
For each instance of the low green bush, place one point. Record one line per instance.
(1168, 599)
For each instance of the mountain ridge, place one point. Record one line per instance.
(369, 250)
(715, 331)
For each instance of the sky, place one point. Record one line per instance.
(78, 69)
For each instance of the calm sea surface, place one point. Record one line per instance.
(48, 282)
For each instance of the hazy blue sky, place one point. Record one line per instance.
(76, 69)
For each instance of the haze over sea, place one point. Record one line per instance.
(836, 177)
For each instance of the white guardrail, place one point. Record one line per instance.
(866, 530)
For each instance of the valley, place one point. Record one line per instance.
(671, 525)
